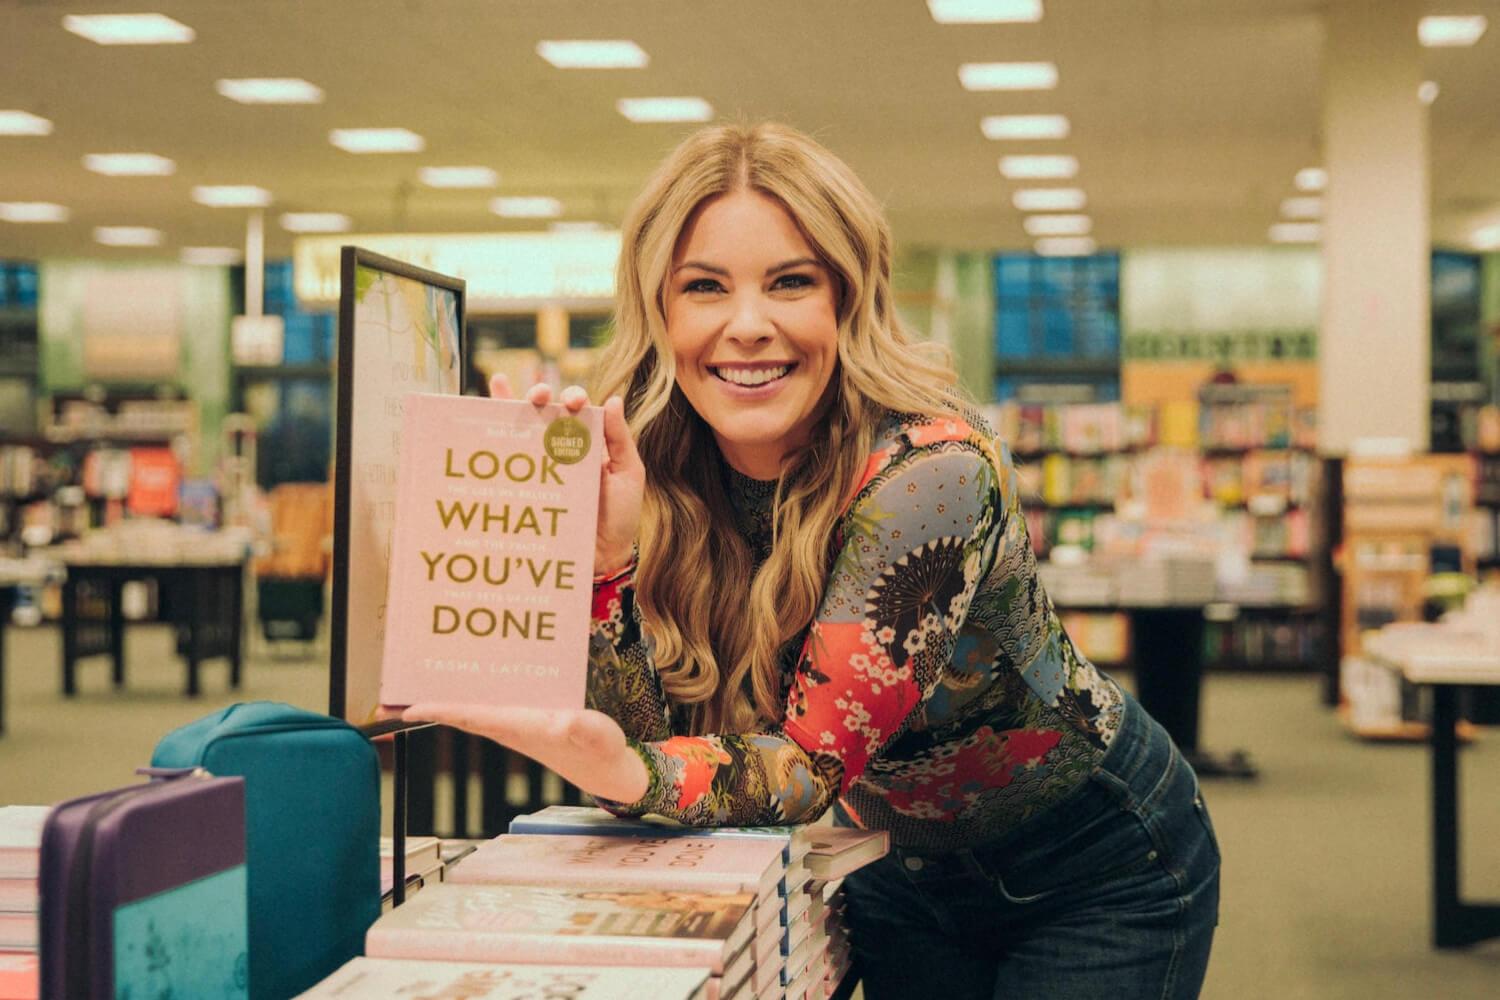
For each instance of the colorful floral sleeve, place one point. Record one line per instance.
(622, 679)
(916, 541)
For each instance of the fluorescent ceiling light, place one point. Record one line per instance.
(1428, 91)
(1448, 32)
(316, 222)
(458, 177)
(576, 226)
(129, 164)
(23, 123)
(127, 236)
(1310, 207)
(585, 54)
(1057, 225)
(985, 11)
(1008, 76)
(1066, 246)
(232, 196)
(665, 109)
(526, 208)
(1312, 179)
(1030, 167)
(270, 90)
(1295, 232)
(211, 256)
(129, 29)
(32, 211)
(1024, 126)
(1049, 199)
(377, 140)
(1487, 238)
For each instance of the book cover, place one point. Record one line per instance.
(21, 840)
(20, 976)
(540, 925)
(492, 553)
(591, 820)
(421, 853)
(18, 895)
(18, 931)
(662, 863)
(376, 978)
(154, 474)
(838, 850)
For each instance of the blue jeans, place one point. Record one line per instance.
(1113, 893)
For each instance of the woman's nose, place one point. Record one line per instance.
(749, 321)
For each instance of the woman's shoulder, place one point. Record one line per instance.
(910, 445)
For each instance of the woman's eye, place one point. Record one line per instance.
(794, 281)
(702, 285)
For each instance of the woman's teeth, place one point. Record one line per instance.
(751, 376)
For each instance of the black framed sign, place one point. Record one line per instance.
(401, 330)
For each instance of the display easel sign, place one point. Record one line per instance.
(400, 332)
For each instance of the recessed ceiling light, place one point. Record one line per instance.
(1295, 232)
(377, 140)
(1031, 167)
(1049, 199)
(1008, 76)
(1310, 207)
(270, 90)
(1024, 126)
(232, 196)
(1487, 238)
(576, 226)
(1428, 91)
(1312, 179)
(211, 256)
(526, 208)
(127, 236)
(1447, 32)
(23, 123)
(665, 109)
(985, 11)
(316, 222)
(129, 164)
(1057, 225)
(32, 211)
(1066, 246)
(586, 54)
(458, 177)
(129, 29)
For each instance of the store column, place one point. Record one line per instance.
(1374, 342)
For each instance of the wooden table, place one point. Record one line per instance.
(1455, 923)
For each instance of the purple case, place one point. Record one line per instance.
(132, 865)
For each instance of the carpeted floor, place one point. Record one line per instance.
(1326, 881)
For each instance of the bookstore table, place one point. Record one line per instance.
(207, 599)
(1455, 923)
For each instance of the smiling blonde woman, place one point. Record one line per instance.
(817, 591)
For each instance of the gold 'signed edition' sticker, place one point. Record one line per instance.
(566, 440)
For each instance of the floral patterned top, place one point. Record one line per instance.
(935, 691)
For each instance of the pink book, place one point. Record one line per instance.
(545, 926)
(492, 553)
(18, 895)
(666, 863)
(835, 851)
(376, 978)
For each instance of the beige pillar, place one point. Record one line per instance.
(1374, 342)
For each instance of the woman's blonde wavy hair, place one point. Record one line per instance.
(716, 623)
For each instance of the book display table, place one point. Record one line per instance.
(1446, 661)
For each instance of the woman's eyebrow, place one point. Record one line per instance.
(788, 265)
(700, 266)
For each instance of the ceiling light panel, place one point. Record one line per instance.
(211, 256)
(129, 29)
(1486, 238)
(1058, 225)
(1066, 246)
(526, 208)
(23, 123)
(1024, 126)
(458, 177)
(32, 211)
(127, 236)
(1008, 76)
(129, 164)
(1310, 207)
(1038, 167)
(316, 222)
(1312, 179)
(270, 90)
(1049, 199)
(1450, 32)
(232, 196)
(377, 140)
(593, 54)
(1295, 232)
(665, 109)
(985, 11)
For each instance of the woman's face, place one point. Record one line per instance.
(752, 322)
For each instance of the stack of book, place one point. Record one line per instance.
(386, 977)
(424, 866)
(20, 859)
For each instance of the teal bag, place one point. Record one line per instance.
(312, 833)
